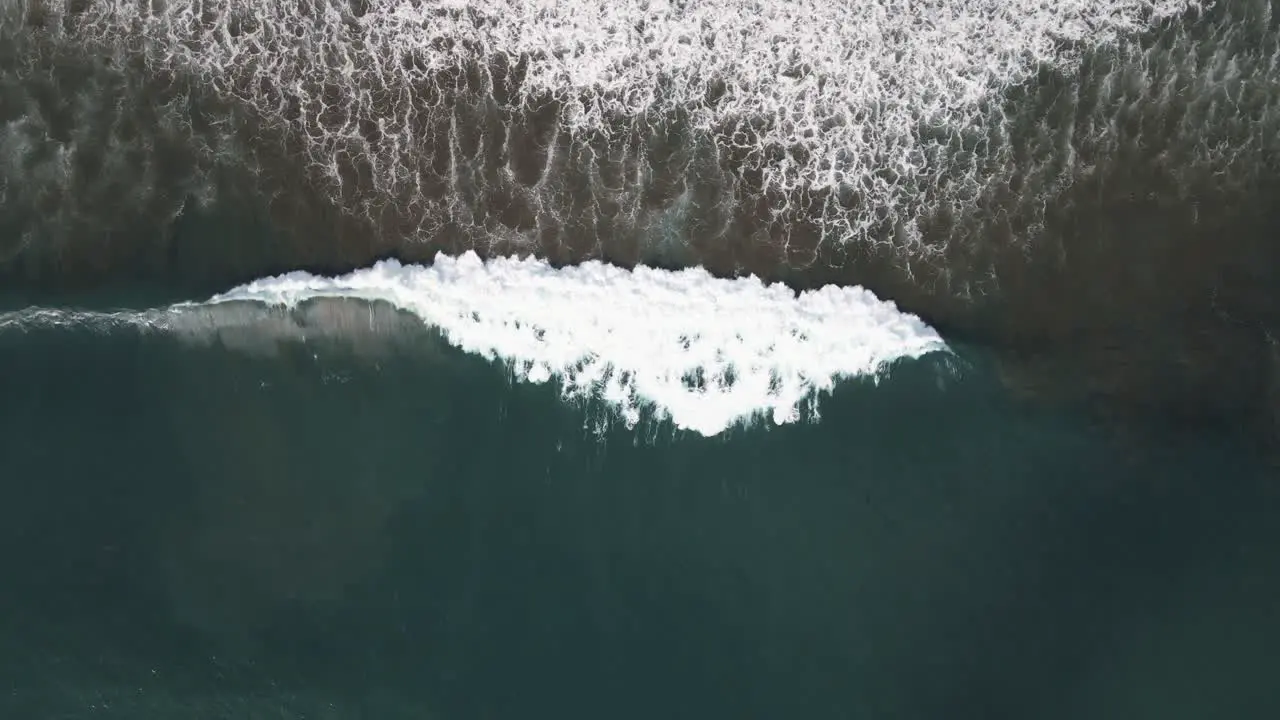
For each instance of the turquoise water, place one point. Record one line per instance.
(194, 531)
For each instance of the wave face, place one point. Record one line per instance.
(1085, 179)
(703, 352)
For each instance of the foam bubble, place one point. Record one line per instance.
(706, 352)
(862, 98)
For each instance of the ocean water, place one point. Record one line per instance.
(632, 359)
(404, 530)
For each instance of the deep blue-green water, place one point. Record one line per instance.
(191, 532)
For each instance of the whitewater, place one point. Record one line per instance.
(704, 352)
(701, 132)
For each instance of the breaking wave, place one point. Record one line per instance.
(703, 352)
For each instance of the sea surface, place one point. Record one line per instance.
(380, 359)
(333, 531)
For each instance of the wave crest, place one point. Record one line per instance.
(704, 352)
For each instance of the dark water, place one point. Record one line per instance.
(190, 532)
(1080, 525)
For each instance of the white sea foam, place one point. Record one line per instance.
(706, 352)
(823, 94)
